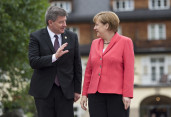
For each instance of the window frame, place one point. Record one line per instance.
(78, 111)
(67, 5)
(71, 28)
(120, 29)
(156, 4)
(128, 4)
(148, 65)
(157, 35)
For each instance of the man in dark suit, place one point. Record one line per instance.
(54, 56)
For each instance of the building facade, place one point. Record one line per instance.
(148, 24)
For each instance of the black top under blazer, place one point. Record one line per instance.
(67, 67)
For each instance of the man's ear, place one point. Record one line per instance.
(50, 22)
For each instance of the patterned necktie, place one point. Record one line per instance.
(56, 46)
(56, 43)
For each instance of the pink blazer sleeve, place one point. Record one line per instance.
(128, 57)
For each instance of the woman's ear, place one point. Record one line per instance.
(107, 26)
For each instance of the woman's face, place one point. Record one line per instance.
(100, 28)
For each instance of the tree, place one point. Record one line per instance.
(18, 18)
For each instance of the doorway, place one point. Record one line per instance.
(156, 106)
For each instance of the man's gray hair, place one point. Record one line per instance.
(53, 12)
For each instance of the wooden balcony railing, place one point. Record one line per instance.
(139, 43)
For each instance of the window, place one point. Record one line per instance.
(1, 108)
(77, 110)
(159, 4)
(157, 68)
(157, 32)
(154, 68)
(123, 5)
(75, 30)
(66, 5)
(120, 30)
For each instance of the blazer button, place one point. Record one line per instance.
(100, 58)
(99, 74)
(100, 66)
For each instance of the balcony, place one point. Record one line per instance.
(155, 79)
(152, 46)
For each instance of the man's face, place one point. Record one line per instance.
(59, 25)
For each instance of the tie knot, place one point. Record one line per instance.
(56, 36)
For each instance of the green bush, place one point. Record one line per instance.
(18, 18)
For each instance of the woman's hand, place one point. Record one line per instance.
(127, 102)
(84, 103)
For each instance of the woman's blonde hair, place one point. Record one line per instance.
(108, 17)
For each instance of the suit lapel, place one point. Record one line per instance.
(100, 47)
(114, 39)
(65, 39)
(46, 37)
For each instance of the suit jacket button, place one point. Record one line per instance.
(99, 74)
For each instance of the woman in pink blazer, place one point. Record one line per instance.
(109, 75)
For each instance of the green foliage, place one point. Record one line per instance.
(18, 18)
(20, 99)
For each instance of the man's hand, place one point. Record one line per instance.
(84, 103)
(76, 96)
(60, 51)
(127, 102)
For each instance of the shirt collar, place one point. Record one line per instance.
(51, 34)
